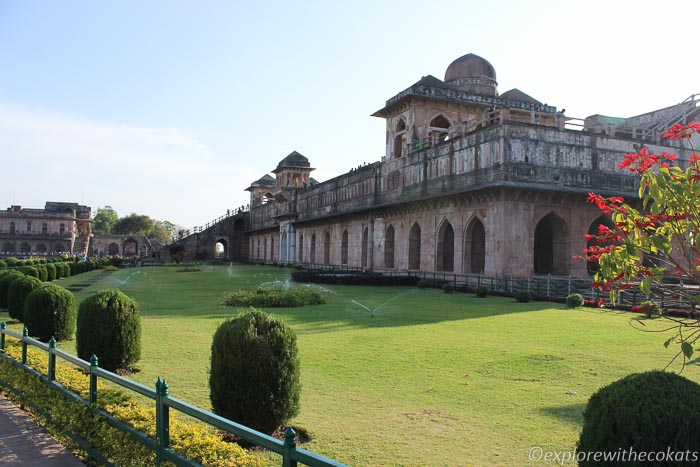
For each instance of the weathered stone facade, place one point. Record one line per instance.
(58, 228)
(472, 182)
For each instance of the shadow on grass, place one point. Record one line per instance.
(572, 413)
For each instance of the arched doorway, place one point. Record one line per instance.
(474, 247)
(327, 248)
(551, 246)
(389, 247)
(221, 249)
(593, 266)
(365, 249)
(301, 248)
(446, 247)
(131, 247)
(24, 248)
(414, 238)
(312, 249)
(113, 249)
(41, 249)
(344, 248)
(399, 138)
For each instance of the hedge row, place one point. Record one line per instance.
(195, 441)
(352, 278)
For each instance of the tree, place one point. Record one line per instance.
(104, 220)
(159, 231)
(657, 239)
(133, 224)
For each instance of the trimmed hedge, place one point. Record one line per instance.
(109, 326)
(274, 297)
(19, 289)
(254, 376)
(51, 268)
(352, 278)
(6, 278)
(49, 311)
(647, 412)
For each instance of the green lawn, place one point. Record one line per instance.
(431, 379)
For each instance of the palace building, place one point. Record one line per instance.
(472, 181)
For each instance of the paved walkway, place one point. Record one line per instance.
(24, 442)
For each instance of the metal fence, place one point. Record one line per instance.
(291, 455)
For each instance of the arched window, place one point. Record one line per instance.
(592, 266)
(439, 127)
(62, 229)
(389, 247)
(8, 247)
(44, 228)
(12, 227)
(312, 249)
(327, 249)
(131, 247)
(344, 248)
(29, 227)
(551, 246)
(301, 248)
(365, 249)
(272, 248)
(399, 138)
(414, 247)
(446, 247)
(41, 249)
(474, 247)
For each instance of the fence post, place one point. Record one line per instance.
(3, 326)
(52, 359)
(290, 442)
(162, 420)
(25, 333)
(94, 363)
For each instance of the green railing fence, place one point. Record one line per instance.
(291, 454)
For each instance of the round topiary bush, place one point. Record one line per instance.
(109, 326)
(51, 269)
(3, 264)
(574, 300)
(43, 273)
(523, 296)
(29, 271)
(17, 293)
(481, 291)
(254, 378)
(12, 262)
(647, 412)
(49, 311)
(6, 278)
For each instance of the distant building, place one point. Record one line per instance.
(57, 229)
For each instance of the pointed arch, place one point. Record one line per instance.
(592, 266)
(414, 241)
(399, 138)
(445, 257)
(365, 249)
(327, 248)
(389, 238)
(344, 248)
(301, 248)
(312, 249)
(551, 246)
(474, 247)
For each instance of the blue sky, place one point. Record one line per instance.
(171, 108)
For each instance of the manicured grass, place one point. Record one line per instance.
(431, 379)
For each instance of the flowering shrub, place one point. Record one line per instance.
(659, 239)
(275, 296)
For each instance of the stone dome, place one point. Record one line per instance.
(472, 73)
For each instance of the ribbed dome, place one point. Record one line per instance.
(294, 160)
(472, 73)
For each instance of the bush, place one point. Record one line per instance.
(109, 326)
(43, 273)
(59, 270)
(651, 412)
(29, 271)
(274, 296)
(481, 291)
(574, 300)
(6, 278)
(74, 268)
(650, 309)
(12, 262)
(66, 269)
(523, 296)
(254, 376)
(17, 294)
(49, 311)
(51, 268)
(3, 264)
(448, 288)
